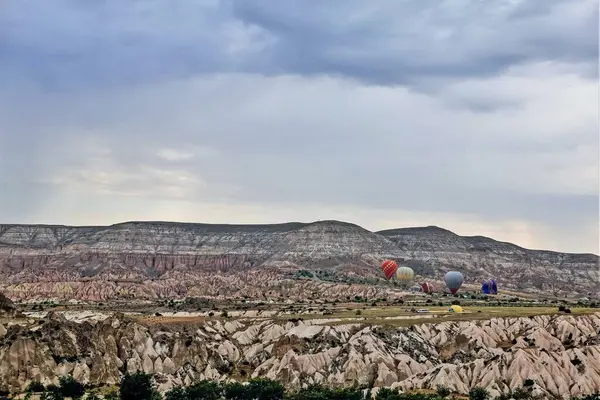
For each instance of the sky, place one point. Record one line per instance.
(477, 116)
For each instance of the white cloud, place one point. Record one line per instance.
(175, 155)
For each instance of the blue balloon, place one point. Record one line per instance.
(486, 287)
(489, 286)
(454, 281)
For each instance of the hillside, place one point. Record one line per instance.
(165, 259)
(561, 354)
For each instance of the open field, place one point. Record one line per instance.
(401, 316)
(390, 315)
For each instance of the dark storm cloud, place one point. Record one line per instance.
(63, 45)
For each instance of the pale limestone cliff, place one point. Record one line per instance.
(560, 353)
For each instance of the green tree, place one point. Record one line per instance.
(113, 395)
(265, 389)
(70, 387)
(234, 391)
(478, 393)
(35, 387)
(48, 395)
(387, 394)
(317, 392)
(176, 393)
(205, 390)
(137, 386)
(92, 396)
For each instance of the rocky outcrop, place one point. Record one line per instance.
(560, 353)
(160, 259)
(7, 308)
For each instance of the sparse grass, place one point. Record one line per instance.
(164, 320)
(380, 315)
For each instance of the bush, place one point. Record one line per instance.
(93, 396)
(265, 389)
(35, 387)
(69, 387)
(137, 386)
(111, 396)
(234, 391)
(206, 390)
(528, 382)
(48, 395)
(176, 393)
(317, 392)
(478, 393)
(443, 391)
(387, 394)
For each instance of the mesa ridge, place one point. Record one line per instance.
(168, 259)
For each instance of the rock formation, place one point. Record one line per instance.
(159, 259)
(560, 353)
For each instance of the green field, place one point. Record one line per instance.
(402, 316)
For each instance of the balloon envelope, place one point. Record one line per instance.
(485, 286)
(389, 268)
(489, 286)
(426, 287)
(454, 281)
(405, 274)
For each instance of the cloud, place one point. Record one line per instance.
(479, 119)
(63, 44)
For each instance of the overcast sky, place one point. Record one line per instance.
(477, 116)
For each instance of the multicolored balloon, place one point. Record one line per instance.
(454, 281)
(389, 268)
(405, 274)
(426, 287)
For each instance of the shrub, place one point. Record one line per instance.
(69, 387)
(265, 389)
(35, 387)
(137, 386)
(443, 391)
(176, 393)
(47, 395)
(234, 391)
(478, 393)
(113, 395)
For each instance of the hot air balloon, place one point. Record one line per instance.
(494, 289)
(456, 309)
(489, 287)
(485, 286)
(389, 268)
(405, 274)
(454, 280)
(426, 287)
